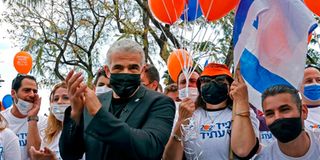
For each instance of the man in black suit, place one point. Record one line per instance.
(130, 122)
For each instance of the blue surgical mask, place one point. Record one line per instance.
(312, 92)
(102, 89)
(191, 92)
(58, 110)
(23, 106)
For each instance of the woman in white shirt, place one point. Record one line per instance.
(203, 129)
(9, 143)
(59, 101)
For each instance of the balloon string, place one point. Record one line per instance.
(189, 72)
(209, 9)
(193, 38)
(197, 6)
(187, 85)
(175, 11)
(187, 62)
(203, 54)
(164, 33)
(185, 68)
(199, 37)
(197, 47)
(190, 135)
(183, 55)
(207, 42)
(167, 12)
(183, 34)
(192, 34)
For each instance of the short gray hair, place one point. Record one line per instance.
(278, 89)
(125, 45)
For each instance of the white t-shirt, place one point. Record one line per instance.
(9, 145)
(266, 138)
(20, 127)
(209, 135)
(313, 121)
(54, 145)
(273, 151)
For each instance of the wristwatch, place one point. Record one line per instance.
(33, 118)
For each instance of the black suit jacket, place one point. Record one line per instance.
(141, 132)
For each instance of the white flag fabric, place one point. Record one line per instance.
(270, 43)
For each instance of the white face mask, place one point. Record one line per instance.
(23, 106)
(102, 89)
(192, 93)
(58, 110)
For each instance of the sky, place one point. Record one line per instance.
(7, 70)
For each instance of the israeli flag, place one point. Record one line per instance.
(270, 43)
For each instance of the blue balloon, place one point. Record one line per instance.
(7, 101)
(194, 11)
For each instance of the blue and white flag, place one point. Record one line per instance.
(270, 43)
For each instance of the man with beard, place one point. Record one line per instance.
(131, 122)
(285, 115)
(23, 117)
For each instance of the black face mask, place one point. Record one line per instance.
(124, 84)
(214, 92)
(286, 129)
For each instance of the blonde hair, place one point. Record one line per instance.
(54, 125)
(3, 123)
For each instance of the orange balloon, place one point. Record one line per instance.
(313, 5)
(215, 9)
(167, 11)
(22, 62)
(177, 60)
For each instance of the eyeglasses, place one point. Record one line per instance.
(219, 79)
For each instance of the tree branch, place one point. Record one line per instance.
(56, 67)
(165, 29)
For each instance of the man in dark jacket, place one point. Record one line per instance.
(130, 122)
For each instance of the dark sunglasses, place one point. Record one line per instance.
(219, 79)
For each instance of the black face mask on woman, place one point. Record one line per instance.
(214, 92)
(286, 129)
(124, 84)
